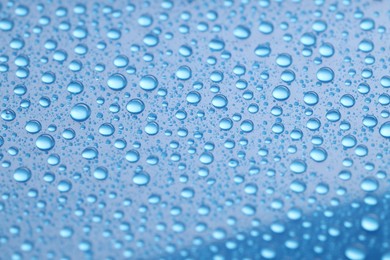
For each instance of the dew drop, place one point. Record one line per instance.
(141, 178)
(325, 74)
(45, 142)
(80, 112)
(117, 82)
(22, 174)
(384, 130)
(148, 83)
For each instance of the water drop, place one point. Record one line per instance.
(242, 32)
(298, 166)
(141, 178)
(22, 174)
(148, 83)
(80, 112)
(318, 154)
(281, 93)
(135, 106)
(100, 173)
(284, 60)
(64, 186)
(370, 223)
(184, 73)
(8, 115)
(117, 82)
(219, 101)
(325, 74)
(45, 142)
(384, 130)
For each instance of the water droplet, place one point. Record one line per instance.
(266, 27)
(369, 184)
(75, 87)
(193, 97)
(187, 193)
(248, 210)
(135, 106)
(80, 112)
(263, 50)
(148, 83)
(385, 81)
(284, 60)
(318, 154)
(347, 101)
(64, 186)
(298, 166)
(117, 82)
(366, 45)
(45, 142)
(219, 101)
(48, 77)
(100, 173)
(145, 20)
(326, 50)
(106, 129)
(184, 73)
(152, 128)
(8, 115)
(384, 130)
(22, 174)
(281, 93)
(370, 223)
(325, 74)
(132, 156)
(242, 32)
(246, 126)
(348, 141)
(308, 39)
(226, 124)
(311, 98)
(141, 178)
(355, 253)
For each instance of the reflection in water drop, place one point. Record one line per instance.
(117, 82)
(80, 112)
(241, 32)
(384, 130)
(281, 93)
(45, 142)
(148, 83)
(135, 106)
(325, 74)
(141, 178)
(22, 174)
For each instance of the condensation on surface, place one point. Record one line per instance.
(194, 129)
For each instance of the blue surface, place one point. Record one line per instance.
(194, 129)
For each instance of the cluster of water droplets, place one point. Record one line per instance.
(156, 128)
